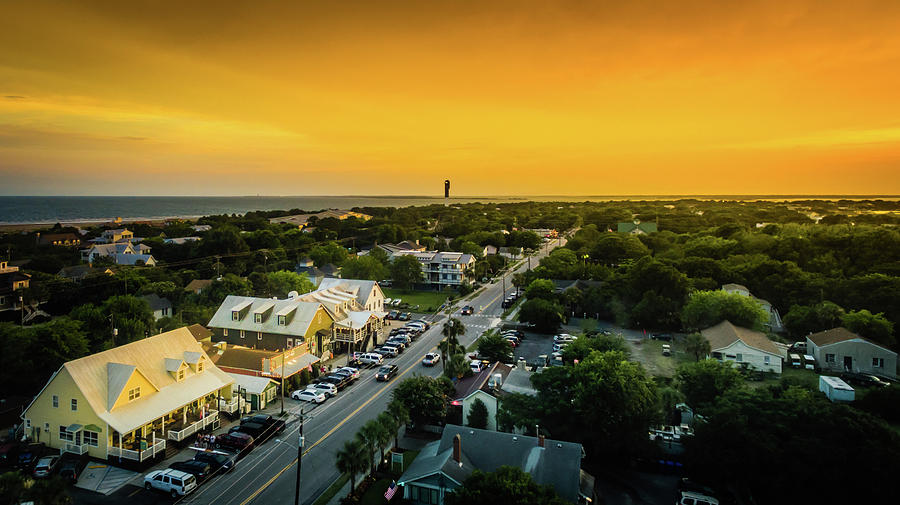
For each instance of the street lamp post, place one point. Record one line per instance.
(282, 381)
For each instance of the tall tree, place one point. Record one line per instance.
(406, 272)
(449, 347)
(869, 325)
(505, 485)
(696, 346)
(545, 315)
(424, 397)
(282, 282)
(400, 414)
(371, 435)
(351, 459)
(493, 347)
(708, 308)
(704, 381)
(478, 415)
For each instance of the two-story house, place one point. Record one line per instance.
(127, 403)
(12, 282)
(122, 253)
(442, 268)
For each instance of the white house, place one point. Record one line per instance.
(441, 268)
(839, 349)
(122, 253)
(732, 343)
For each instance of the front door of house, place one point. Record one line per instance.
(77, 438)
(848, 363)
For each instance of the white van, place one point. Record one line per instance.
(173, 482)
(371, 358)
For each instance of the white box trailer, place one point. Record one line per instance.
(836, 389)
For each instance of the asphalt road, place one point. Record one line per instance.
(268, 474)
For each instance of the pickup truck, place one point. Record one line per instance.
(261, 426)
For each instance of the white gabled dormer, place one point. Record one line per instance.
(286, 314)
(261, 313)
(196, 360)
(240, 310)
(177, 368)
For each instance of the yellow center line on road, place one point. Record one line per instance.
(330, 432)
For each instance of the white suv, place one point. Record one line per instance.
(171, 481)
(324, 387)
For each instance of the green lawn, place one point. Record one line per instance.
(424, 299)
(333, 490)
(375, 494)
(649, 353)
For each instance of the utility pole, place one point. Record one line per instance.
(282, 381)
(299, 458)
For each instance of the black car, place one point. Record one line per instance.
(386, 372)
(276, 425)
(396, 342)
(467, 310)
(220, 462)
(70, 469)
(344, 373)
(863, 379)
(258, 431)
(507, 303)
(27, 459)
(201, 470)
(394, 314)
(404, 316)
(339, 381)
(661, 336)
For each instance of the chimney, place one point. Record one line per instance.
(457, 449)
(540, 440)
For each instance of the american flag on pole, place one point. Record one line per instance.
(391, 490)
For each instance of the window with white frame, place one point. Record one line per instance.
(74, 404)
(28, 424)
(134, 394)
(829, 358)
(878, 362)
(55, 401)
(257, 317)
(766, 360)
(235, 315)
(282, 320)
(64, 434)
(739, 358)
(181, 375)
(243, 334)
(199, 366)
(91, 438)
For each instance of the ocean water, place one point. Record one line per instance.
(74, 209)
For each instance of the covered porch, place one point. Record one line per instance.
(149, 440)
(354, 333)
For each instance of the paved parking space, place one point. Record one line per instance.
(104, 478)
(534, 345)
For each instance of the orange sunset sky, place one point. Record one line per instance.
(503, 97)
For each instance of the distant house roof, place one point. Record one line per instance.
(557, 464)
(198, 285)
(724, 334)
(331, 270)
(157, 303)
(364, 288)
(734, 287)
(200, 332)
(133, 259)
(836, 335)
(518, 381)
(52, 238)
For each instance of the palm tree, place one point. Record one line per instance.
(369, 436)
(389, 428)
(400, 414)
(351, 459)
(457, 365)
(453, 328)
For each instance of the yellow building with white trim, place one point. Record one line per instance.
(130, 401)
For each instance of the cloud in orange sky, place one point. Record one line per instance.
(509, 97)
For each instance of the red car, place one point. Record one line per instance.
(236, 441)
